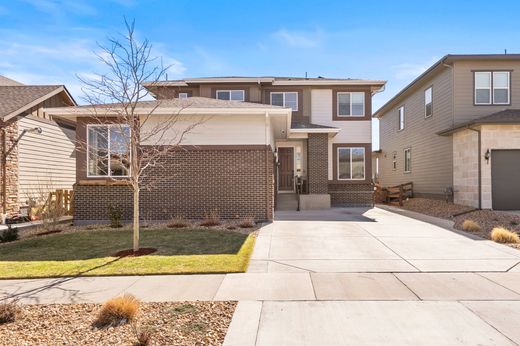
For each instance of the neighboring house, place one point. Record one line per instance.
(263, 136)
(39, 148)
(455, 131)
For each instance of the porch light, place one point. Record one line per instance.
(487, 155)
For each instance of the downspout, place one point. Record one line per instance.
(453, 121)
(479, 167)
(266, 165)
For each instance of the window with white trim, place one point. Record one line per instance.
(108, 148)
(288, 99)
(407, 160)
(233, 95)
(492, 88)
(428, 102)
(351, 163)
(351, 104)
(183, 95)
(400, 112)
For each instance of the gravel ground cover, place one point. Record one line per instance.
(487, 219)
(188, 323)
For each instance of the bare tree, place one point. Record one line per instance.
(137, 138)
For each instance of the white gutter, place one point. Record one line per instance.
(87, 111)
(330, 82)
(323, 130)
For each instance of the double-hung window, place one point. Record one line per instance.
(428, 102)
(400, 111)
(183, 95)
(351, 163)
(233, 95)
(108, 150)
(492, 88)
(351, 104)
(288, 99)
(407, 160)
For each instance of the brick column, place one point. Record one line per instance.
(317, 158)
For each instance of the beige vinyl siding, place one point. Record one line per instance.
(46, 160)
(464, 107)
(432, 164)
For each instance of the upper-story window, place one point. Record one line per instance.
(428, 102)
(351, 104)
(492, 88)
(351, 163)
(108, 150)
(233, 95)
(183, 95)
(400, 111)
(287, 99)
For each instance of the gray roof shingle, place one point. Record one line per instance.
(15, 97)
(4, 81)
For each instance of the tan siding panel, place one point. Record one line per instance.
(431, 154)
(47, 160)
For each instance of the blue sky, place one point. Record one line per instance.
(52, 41)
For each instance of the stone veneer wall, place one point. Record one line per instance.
(317, 158)
(465, 168)
(237, 183)
(12, 169)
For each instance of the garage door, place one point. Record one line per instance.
(505, 179)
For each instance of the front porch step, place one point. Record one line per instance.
(287, 201)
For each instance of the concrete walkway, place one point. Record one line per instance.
(342, 276)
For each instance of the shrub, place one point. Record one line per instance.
(115, 214)
(178, 222)
(211, 219)
(143, 336)
(470, 226)
(247, 222)
(10, 234)
(514, 223)
(8, 312)
(117, 311)
(502, 235)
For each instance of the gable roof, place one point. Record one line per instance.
(4, 81)
(15, 99)
(436, 68)
(504, 117)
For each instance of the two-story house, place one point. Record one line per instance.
(455, 131)
(262, 137)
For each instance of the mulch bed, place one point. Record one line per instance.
(487, 219)
(185, 323)
(130, 253)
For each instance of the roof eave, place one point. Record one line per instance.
(36, 102)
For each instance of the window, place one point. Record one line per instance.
(400, 111)
(351, 104)
(351, 163)
(233, 95)
(408, 160)
(394, 161)
(285, 99)
(108, 150)
(183, 95)
(492, 88)
(428, 103)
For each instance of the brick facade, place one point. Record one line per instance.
(317, 166)
(236, 182)
(11, 132)
(351, 194)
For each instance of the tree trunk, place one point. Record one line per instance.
(136, 219)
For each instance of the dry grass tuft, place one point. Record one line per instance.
(211, 219)
(143, 336)
(178, 222)
(9, 312)
(247, 222)
(470, 226)
(503, 235)
(117, 311)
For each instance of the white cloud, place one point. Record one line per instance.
(299, 39)
(412, 70)
(57, 8)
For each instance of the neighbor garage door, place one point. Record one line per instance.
(505, 179)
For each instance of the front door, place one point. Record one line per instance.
(286, 169)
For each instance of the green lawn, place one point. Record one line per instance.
(89, 253)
